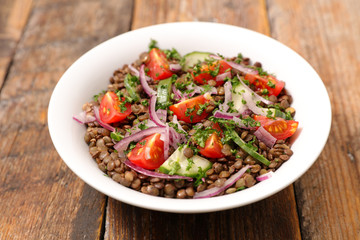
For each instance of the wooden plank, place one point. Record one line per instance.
(241, 13)
(13, 17)
(40, 197)
(327, 34)
(273, 218)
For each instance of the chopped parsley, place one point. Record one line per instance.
(270, 114)
(232, 107)
(175, 166)
(262, 72)
(116, 136)
(176, 128)
(250, 144)
(152, 44)
(142, 143)
(122, 107)
(143, 126)
(189, 111)
(239, 58)
(206, 88)
(190, 164)
(250, 122)
(240, 188)
(145, 102)
(172, 54)
(201, 135)
(201, 109)
(270, 84)
(96, 97)
(200, 175)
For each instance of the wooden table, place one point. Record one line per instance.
(42, 199)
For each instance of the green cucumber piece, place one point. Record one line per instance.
(178, 164)
(130, 83)
(190, 59)
(163, 93)
(249, 149)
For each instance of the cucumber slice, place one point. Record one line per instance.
(178, 164)
(190, 59)
(237, 98)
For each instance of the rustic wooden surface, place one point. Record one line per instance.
(42, 199)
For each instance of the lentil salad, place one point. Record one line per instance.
(195, 126)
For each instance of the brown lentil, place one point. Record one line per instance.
(181, 193)
(230, 190)
(152, 190)
(169, 189)
(188, 152)
(226, 150)
(224, 174)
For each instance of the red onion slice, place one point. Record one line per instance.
(222, 76)
(162, 114)
(149, 91)
(153, 116)
(132, 68)
(265, 176)
(228, 97)
(265, 137)
(83, 118)
(174, 138)
(228, 183)
(152, 173)
(167, 142)
(256, 96)
(104, 125)
(123, 144)
(177, 93)
(136, 128)
(175, 67)
(239, 67)
(252, 105)
(229, 116)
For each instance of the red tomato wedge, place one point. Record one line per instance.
(209, 71)
(110, 111)
(148, 153)
(270, 83)
(187, 110)
(213, 144)
(158, 65)
(279, 128)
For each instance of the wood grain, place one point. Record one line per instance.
(247, 13)
(13, 17)
(249, 222)
(327, 33)
(40, 197)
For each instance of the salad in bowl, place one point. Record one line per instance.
(199, 125)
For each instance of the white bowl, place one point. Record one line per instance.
(91, 72)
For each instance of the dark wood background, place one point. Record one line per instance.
(42, 199)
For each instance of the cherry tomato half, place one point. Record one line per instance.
(148, 153)
(188, 110)
(158, 65)
(279, 128)
(110, 111)
(213, 144)
(270, 83)
(209, 71)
